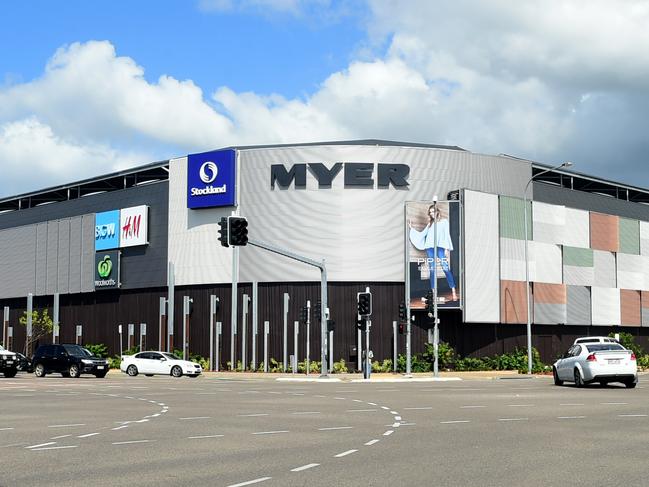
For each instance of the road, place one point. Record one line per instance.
(150, 431)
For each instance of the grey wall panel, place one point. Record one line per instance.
(87, 253)
(644, 238)
(52, 257)
(546, 313)
(631, 271)
(549, 223)
(17, 261)
(75, 255)
(578, 276)
(577, 232)
(63, 257)
(605, 269)
(481, 257)
(41, 259)
(579, 307)
(605, 306)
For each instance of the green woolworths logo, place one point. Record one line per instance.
(104, 267)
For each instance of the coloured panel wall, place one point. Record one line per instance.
(549, 223)
(545, 263)
(549, 303)
(481, 258)
(644, 238)
(513, 302)
(512, 259)
(578, 306)
(629, 236)
(630, 309)
(604, 232)
(605, 306)
(605, 273)
(630, 271)
(577, 232)
(644, 302)
(578, 266)
(512, 218)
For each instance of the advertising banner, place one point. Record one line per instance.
(107, 230)
(211, 179)
(107, 270)
(427, 223)
(134, 226)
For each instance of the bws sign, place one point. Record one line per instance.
(107, 230)
(211, 179)
(127, 227)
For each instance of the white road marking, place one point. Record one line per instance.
(66, 425)
(513, 419)
(572, 404)
(371, 442)
(362, 410)
(55, 448)
(5, 429)
(336, 428)
(59, 437)
(42, 444)
(419, 409)
(305, 467)
(387, 390)
(250, 482)
(356, 400)
(385, 407)
(614, 403)
(388, 432)
(393, 412)
(454, 422)
(372, 403)
(120, 427)
(88, 435)
(632, 415)
(270, 432)
(132, 441)
(520, 405)
(195, 417)
(397, 418)
(339, 398)
(345, 453)
(307, 412)
(204, 436)
(571, 417)
(252, 415)
(472, 407)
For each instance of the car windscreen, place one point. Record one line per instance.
(75, 350)
(604, 346)
(170, 356)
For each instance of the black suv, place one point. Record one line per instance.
(68, 360)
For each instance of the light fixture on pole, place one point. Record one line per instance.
(527, 265)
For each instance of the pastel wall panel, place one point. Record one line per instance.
(644, 238)
(644, 298)
(481, 259)
(578, 266)
(630, 273)
(578, 305)
(549, 303)
(577, 232)
(545, 263)
(605, 306)
(512, 259)
(549, 222)
(605, 273)
(629, 236)
(604, 232)
(513, 302)
(630, 309)
(512, 218)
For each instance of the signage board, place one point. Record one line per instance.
(107, 270)
(134, 226)
(107, 231)
(211, 179)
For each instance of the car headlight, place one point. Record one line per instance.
(86, 361)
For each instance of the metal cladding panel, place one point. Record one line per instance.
(545, 263)
(481, 258)
(577, 232)
(605, 273)
(63, 278)
(578, 276)
(512, 259)
(604, 232)
(358, 231)
(574, 256)
(630, 310)
(605, 306)
(52, 257)
(17, 262)
(644, 238)
(87, 253)
(512, 218)
(550, 303)
(40, 286)
(629, 236)
(579, 305)
(644, 296)
(75, 255)
(630, 271)
(550, 314)
(549, 223)
(513, 302)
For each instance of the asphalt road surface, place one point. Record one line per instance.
(155, 431)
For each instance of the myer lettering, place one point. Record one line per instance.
(211, 179)
(356, 175)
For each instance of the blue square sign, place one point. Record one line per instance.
(211, 179)
(107, 230)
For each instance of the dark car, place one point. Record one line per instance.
(68, 360)
(23, 364)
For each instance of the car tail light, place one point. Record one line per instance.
(632, 356)
(591, 358)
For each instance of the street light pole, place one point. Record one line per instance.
(527, 265)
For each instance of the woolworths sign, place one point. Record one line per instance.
(107, 270)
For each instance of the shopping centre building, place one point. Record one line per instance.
(128, 248)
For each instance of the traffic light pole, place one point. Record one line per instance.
(323, 293)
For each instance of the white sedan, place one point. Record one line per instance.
(151, 363)
(596, 362)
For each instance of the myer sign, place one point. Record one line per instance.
(355, 175)
(107, 270)
(211, 179)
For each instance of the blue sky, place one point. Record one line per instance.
(87, 88)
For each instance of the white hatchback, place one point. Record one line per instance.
(584, 363)
(151, 363)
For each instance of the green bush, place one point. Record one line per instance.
(98, 350)
(384, 367)
(339, 367)
(417, 364)
(628, 341)
(471, 363)
(643, 361)
(446, 355)
(314, 367)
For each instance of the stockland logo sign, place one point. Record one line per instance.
(107, 230)
(211, 179)
(107, 270)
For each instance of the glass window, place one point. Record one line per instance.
(604, 346)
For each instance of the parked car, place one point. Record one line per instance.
(69, 360)
(8, 363)
(151, 363)
(596, 362)
(595, 340)
(23, 364)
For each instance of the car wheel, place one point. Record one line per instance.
(579, 382)
(39, 370)
(630, 384)
(10, 373)
(557, 381)
(176, 371)
(65, 373)
(131, 370)
(74, 371)
(101, 375)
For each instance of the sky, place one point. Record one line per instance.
(89, 88)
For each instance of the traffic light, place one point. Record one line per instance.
(223, 231)
(402, 328)
(402, 311)
(317, 310)
(364, 302)
(331, 325)
(430, 306)
(237, 231)
(304, 314)
(360, 323)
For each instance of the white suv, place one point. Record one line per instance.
(595, 340)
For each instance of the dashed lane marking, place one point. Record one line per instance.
(632, 415)
(270, 432)
(455, 422)
(333, 428)
(204, 436)
(55, 448)
(305, 467)
(472, 407)
(371, 442)
(571, 417)
(132, 442)
(427, 408)
(41, 444)
(66, 425)
(345, 453)
(88, 435)
(250, 482)
(306, 412)
(195, 417)
(59, 437)
(254, 415)
(362, 410)
(388, 432)
(513, 419)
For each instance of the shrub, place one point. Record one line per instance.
(628, 341)
(385, 366)
(98, 349)
(340, 367)
(446, 355)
